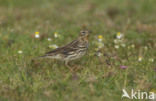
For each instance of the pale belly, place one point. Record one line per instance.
(75, 56)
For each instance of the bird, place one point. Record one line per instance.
(72, 51)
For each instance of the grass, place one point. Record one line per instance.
(50, 80)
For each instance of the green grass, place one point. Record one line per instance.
(50, 80)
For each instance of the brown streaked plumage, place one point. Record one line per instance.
(71, 51)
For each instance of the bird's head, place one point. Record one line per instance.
(84, 33)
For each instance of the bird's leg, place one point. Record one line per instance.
(67, 65)
(77, 67)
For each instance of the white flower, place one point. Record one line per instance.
(119, 35)
(54, 46)
(116, 46)
(49, 39)
(99, 54)
(100, 38)
(123, 45)
(20, 52)
(133, 46)
(151, 60)
(145, 47)
(100, 45)
(37, 35)
(116, 41)
(140, 58)
(56, 35)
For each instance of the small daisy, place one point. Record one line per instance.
(99, 54)
(54, 46)
(132, 46)
(100, 45)
(117, 46)
(37, 35)
(100, 38)
(56, 35)
(119, 35)
(116, 41)
(151, 60)
(20, 52)
(146, 48)
(49, 39)
(123, 45)
(140, 58)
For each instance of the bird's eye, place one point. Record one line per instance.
(83, 32)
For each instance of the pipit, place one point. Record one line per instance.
(72, 51)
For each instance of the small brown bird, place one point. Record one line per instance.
(71, 51)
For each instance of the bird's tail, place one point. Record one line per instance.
(40, 57)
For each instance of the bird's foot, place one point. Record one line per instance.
(77, 67)
(73, 68)
(70, 67)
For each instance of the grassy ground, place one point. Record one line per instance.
(101, 78)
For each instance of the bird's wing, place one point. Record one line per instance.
(67, 49)
(54, 51)
(72, 44)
